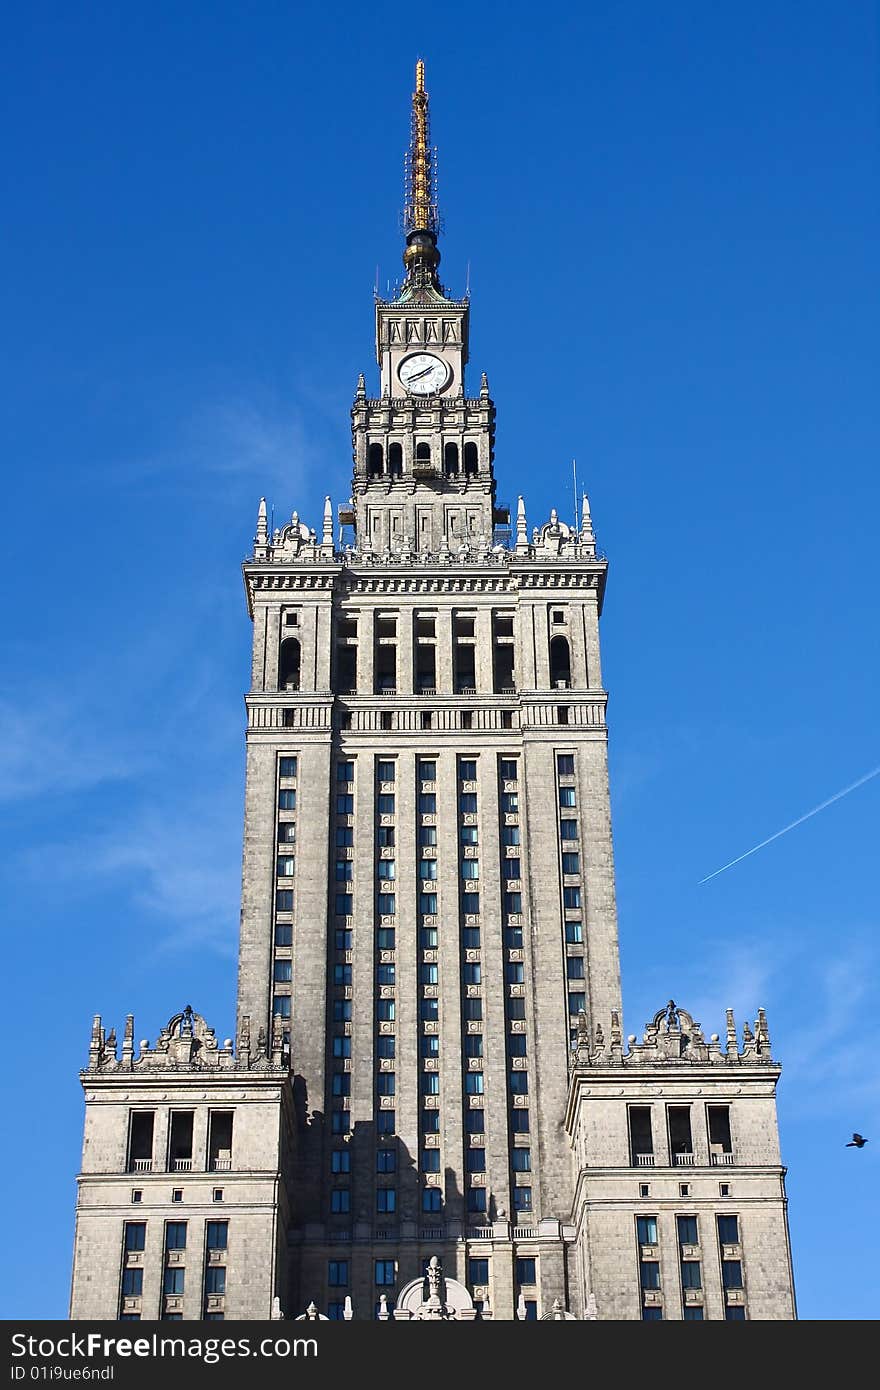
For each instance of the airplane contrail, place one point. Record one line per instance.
(800, 820)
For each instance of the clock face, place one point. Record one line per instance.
(423, 374)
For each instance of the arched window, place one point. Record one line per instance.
(423, 453)
(560, 662)
(470, 457)
(375, 462)
(288, 664)
(450, 460)
(395, 460)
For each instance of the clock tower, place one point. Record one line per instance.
(423, 451)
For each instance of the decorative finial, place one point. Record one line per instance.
(327, 532)
(484, 387)
(421, 220)
(588, 537)
(262, 535)
(522, 530)
(361, 392)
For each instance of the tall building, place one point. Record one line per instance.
(429, 1110)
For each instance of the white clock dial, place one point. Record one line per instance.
(423, 374)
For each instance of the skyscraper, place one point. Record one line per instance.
(428, 1110)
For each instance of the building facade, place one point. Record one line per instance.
(428, 1110)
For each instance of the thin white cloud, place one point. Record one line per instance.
(49, 744)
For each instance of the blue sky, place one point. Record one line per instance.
(670, 217)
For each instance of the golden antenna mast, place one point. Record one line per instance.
(420, 210)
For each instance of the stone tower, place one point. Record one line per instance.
(428, 1035)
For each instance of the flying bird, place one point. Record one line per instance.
(857, 1142)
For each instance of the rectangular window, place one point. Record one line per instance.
(516, 1044)
(473, 1045)
(468, 835)
(430, 1083)
(571, 863)
(427, 834)
(342, 1010)
(432, 1199)
(385, 1045)
(386, 1083)
(510, 802)
(283, 972)
(565, 764)
(341, 1083)
(476, 1199)
(470, 938)
(571, 897)
(470, 902)
(731, 1274)
(384, 1271)
(646, 1230)
(514, 972)
(428, 938)
(386, 1160)
(526, 1272)
(687, 1230)
(429, 1009)
(340, 1200)
(385, 803)
(340, 1161)
(430, 1160)
(427, 771)
(344, 836)
(512, 902)
(519, 1121)
(478, 1271)
(475, 1121)
(344, 804)
(690, 1274)
(574, 966)
(428, 869)
(516, 1008)
(385, 771)
(385, 1122)
(513, 937)
(215, 1279)
(287, 767)
(472, 973)
(285, 865)
(473, 1009)
(719, 1129)
(473, 1083)
(385, 836)
(132, 1283)
(385, 974)
(428, 973)
(173, 1280)
(430, 1045)
(342, 974)
(284, 934)
(641, 1142)
(431, 1121)
(522, 1199)
(510, 835)
(467, 803)
(342, 939)
(576, 1002)
(507, 769)
(345, 772)
(427, 903)
(567, 797)
(281, 1005)
(679, 1122)
(287, 799)
(574, 933)
(284, 900)
(734, 1313)
(511, 868)
(649, 1274)
(344, 870)
(568, 830)
(427, 803)
(467, 770)
(476, 1160)
(386, 1200)
(652, 1314)
(728, 1230)
(693, 1313)
(518, 1081)
(337, 1273)
(387, 869)
(385, 938)
(287, 831)
(339, 1122)
(470, 868)
(521, 1160)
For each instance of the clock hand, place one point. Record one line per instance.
(424, 372)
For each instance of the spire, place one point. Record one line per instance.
(421, 220)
